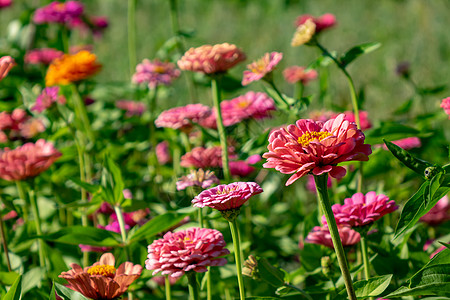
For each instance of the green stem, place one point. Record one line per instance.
(81, 114)
(121, 221)
(37, 222)
(365, 257)
(22, 195)
(216, 94)
(132, 35)
(200, 218)
(272, 84)
(208, 285)
(298, 95)
(4, 243)
(167, 288)
(193, 285)
(322, 192)
(299, 290)
(237, 254)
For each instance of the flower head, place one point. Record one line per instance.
(102, 280)
(197, 178)
(182, 117)
(296, 74)
(42, 56)
(262, 67)
(48, 96)
(322, 236)
(361, 210)
(179, 252)
(28, 160)
(18, 125)
(304, 33)
(5, 3)
(211, 59)
(71, 68)
(204, 158)
(163, 153)
(243, 168)
(132, 108)
(154, 73)
(363, 118)
(6, 63)
(315, 147)
(57, 12)
(323, 22)
(445, 104)
(440, 213)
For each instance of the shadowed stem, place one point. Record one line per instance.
(22, 196)
(4, 243)
(167, 287)
(322, 193)
(132, 35)
(37, 222)
(81, 114)
(237, 255)
(365, 257)
(193, 285)
(272, 84)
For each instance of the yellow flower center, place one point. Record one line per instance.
(243, 104)
(308, 137)
(103, 270)
(159, 69)
(225, 191)
(258, 67)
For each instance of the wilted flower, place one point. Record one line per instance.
(163, 153)
(295, 74)
(204, 158)
(406, 143)
(6, 63)
(48, 96)
(322, 236)
(304, 33)
(42, 56)
(57, 12)
(197, 178)
(315, 147)
(71, 68)
(179, 252)
(211, 59)
(182, 117)
(31, 128)
(440, 213)
(361, 210)
(445, 104)
(262, 67)
(102, 280)
(133, 218)
(132, 108)
(155, 73)
(323, 22)
(28, 160)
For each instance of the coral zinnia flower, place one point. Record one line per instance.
(183, 116)
(197, 178)
(227, 196)
(445, 104)
(6, 63)
(262, 67)
(295, 74)
(193, 249)
(102, 280)
(57, 12)
(322, 236)
(28, 160)
(440, 213)
(362, 210)
(315, 147)
(323, 22)
(71, 68)
(204, 158)
(155, 73)
(211, 59)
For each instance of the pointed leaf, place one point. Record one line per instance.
(75, 235)
(117, 180)
(15, 291)
(68, 294)
(270, 274)
(368, 288)
(417, 165)
(91, 188)
(357, 51)
(52, 295)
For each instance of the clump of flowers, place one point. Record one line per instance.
(262, 68)
(102, 280)
(47, 98)
(18, 125)
(193, 249)
(6, 63)
(296, 74)
(406, 143)
(58, 12)
(132, 108)
(72, 68)
(154, 73)
(163, 153)
(203, 179)
(445, 104)
(28, 160)
(182, 117)
(323, 22)
(321, 236)
(204, 158)
(315, 147)
(439, 214)
(210, 59)
(42, 56)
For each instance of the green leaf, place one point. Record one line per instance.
(418, 291)
(115, 181)
(91, 188)
(368, 288)
(8, 278)
(15, 292)
(68, 294)
(52, 295)
(75, 235)
(357, 51)
(270, 274)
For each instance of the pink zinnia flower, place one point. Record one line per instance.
(406, 143)
(321, 236)
(31, 128)
(27, 161)
(163, 153)
(295, 74)
(315, 147)
(5, 3)
(361, 210)
(204, 158)
(182, 117)
(445, 104)
(243, 168)
(154, 73)
(363, 119)
(211, 59)
(132, 108)
(6, 63)
(18, 125)
(42, 56)
(227, 196)
(197, 178)
(48, 96)
(179, 252)
(440, 213)
(102, 280)
(323, 22)
(57, 12)
(262, 67)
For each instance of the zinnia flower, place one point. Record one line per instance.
(182, 117)
(304, 33)
(18, 125)
(28, 160)
(102, 280)
(323, 22)
(262, 67)
(295, 74)
(197, 178)
(440, 213)
(5, 3)
(363, 118)
(361, 210)
(321, 236)
(315, 147)
(204, 158)
(154, 73)
(6, 63)
(132, 108)
(48, 96)
(179, 252)
(57, 12)
(71, 68)
(227, 196)
(163, 153)
(42, 56)
(445, 104)
(211, 59)
(243, 168)
(406, 143)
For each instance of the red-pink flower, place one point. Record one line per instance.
(445, 104)
(440, 213)
(132, 108)
(295, 74)
(204, 158)
(322, 236)
(28, 160)
(6, 63)
(362, 210)
(406, 143)
(182, 117)
(163, 153)
(48, 96)
(197, 178)
(57, 12)
(211, 59)
(363, 119)
(323, 22)
(154, 73)
(315, 147)
(193, 249)
(42, 56)
(102, 280)
(243, 168)
(227, 196)
(5, 3)
(262, 67)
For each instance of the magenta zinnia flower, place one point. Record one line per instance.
(193, 249)
(295, 74)
(204, 158)
(323, 22)
(406, 143)
(197, 178)
(262, 67)
(211, 59)
(363, 118)
(42, 56)
(57, 12)
(155, 73)
(48, 96)
(322, 236)
(361, 210)
(5, 3)
(440, 213)
(6, 63)
(445, 104)
(182, 117)
(227, 196)
(132, 108)
(315, 147)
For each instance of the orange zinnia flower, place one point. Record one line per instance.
(71, 68)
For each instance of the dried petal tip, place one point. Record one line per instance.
(6, 63)
(250, 268)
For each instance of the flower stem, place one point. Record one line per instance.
(4, 243)
(37, 222)
(193, 285)
(237, 254)
(81, 114)
(22, 195)
(132, 35)
(167, 288)
(216, 94)
(322, 193)
(200, 218)
(272, 84)
(365, 256)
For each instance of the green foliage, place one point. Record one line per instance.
(357, 51)
(373, 287)
(66, 293)
(76, 235)
(15, 291)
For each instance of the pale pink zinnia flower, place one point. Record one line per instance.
(204, 158)
(182, 117)
(48, 96)
(211, 59)
(227, 196)
(315, 147)
(163, 153)
(321, 236)
(6, 63)
(18, 125)
(361, 210)
(197, 178)
(155, 73)
(193, 249)
(323, 22)
(102, 280)
(132, 108)
(440, 213)
(28, 160)
(445, 104)
(42, 56)
(262, 67)
(296, 74)
(406, 143)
